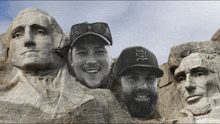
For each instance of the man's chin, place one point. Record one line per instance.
(141, 109)
(93, 83)
(200, 108)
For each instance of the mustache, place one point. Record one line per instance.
(141, 91)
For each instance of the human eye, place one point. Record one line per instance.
(133, 79)
(150, 78)
(100, 52)
(82, 53)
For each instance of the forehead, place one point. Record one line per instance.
(30, 18)
(191, 62)
(90, 43)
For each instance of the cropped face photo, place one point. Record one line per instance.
(139, 91)
(91, 61)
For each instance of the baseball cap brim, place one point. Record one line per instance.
(155, 70)
(87, 33)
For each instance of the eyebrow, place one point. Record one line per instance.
(17, 29)
(192, 70)
(199, 69)
(32, 26)
(39, 26)
(100, 47)
(178, 74)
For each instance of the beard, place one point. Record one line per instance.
(140, 109)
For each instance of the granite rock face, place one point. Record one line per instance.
(36, 86)
(45, 91)
(189, 89)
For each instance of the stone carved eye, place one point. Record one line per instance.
(181, 78)
(198, 74)
(17, 35)
(40, 31)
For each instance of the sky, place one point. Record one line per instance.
(155, 25)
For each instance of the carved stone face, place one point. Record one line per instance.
(192, 80)
(91, 61)
(32, 43)
(139, 91)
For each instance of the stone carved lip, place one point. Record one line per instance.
(193, 98)
(92, 71)
(29, 51)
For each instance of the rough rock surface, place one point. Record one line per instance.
(170, 106)
(166, 90)
(32, 92)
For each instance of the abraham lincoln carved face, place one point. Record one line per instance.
(194, 83)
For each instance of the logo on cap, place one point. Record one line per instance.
(90, 27)
(141, 54)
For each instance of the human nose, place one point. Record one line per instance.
(91, 60)
(189, 84)
(142, 84)
(28, 40)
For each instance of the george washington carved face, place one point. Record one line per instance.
(32, 42)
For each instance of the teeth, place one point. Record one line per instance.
(142, 96)
(92, 71)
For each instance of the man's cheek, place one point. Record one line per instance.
(202, 82)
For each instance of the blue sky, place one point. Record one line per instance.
(156, 25)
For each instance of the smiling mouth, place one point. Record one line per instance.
(194, 98)
(92, 71)
(142, 97)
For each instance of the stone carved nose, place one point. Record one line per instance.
(28, 40)
(189, 84)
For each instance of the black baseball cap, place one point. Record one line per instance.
(137, 56)
(99, 29)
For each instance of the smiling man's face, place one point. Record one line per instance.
(91, 61)
(139, 91)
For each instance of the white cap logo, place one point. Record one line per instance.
(90, 27)
(141, 54)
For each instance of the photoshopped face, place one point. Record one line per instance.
(31, 46)
(139, 92)
(193, 82)
(91, 61)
